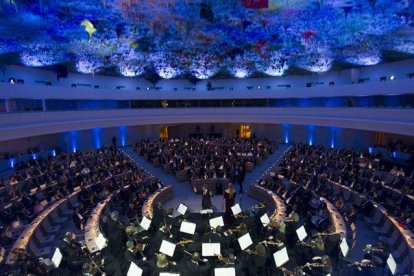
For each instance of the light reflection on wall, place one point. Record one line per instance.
(122, 134)
(311, 136)
(73, 135)
(286, 131)
(97, 137)
(332, 136)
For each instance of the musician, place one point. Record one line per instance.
(229, 197)
(161, 264)
(78, 219)
(116, 236)
(258, 260)
(158, 214)
(71, 250)
(196, 266)
(232, 261)
(111, 266)
(133, 253)
(206, 198)
(319, 266)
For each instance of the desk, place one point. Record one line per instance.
(24, 238)
(401, 239)
(162, 195)
(211, 184)
(272, 201)
(336, 218)
(92, 225)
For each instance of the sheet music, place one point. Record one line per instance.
(344, 247)
(134, 270)
(214, 222)
(281, 257)
(225, 271)
(182, 209)
(188, 227)
(167, 248)
(57, 258)
(392, 265)
(236, 209)
(301, 232)
(100, 241)
(245, 241)
(145, 223)
(210, 249)
(265, 219)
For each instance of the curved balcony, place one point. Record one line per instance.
(20, 125)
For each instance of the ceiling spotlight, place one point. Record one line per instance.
(392, 77)
(12, 80)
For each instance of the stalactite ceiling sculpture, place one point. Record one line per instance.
(199, 38)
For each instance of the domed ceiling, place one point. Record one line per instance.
(176, 38)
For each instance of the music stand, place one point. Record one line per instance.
(188, 227)
(281, 257)
(225, 271)
(57, 258)
(245, 241)
(210, 249)
(236, 209)
(214, 222)
(167, 248)
(145, 223)
(265, 220)
(134, 270)
(392, 265)
(182, 209)
(301, 232)
(100, 241)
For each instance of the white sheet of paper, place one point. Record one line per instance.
(206, 211)
(188, 227)
(245, 241)
(225, 271)
(392, 265)
(281, 257)
(169, 274)
(265, 219)
(100, 241)
(145, 223)
(214, 222)
(344, 248)
(167, 248)
(57, 257)
(210, 249)
(182, 209)
(301, 232)
(236, 209)
(134, 270)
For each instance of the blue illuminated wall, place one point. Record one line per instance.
(97, 137)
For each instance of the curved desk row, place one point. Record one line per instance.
(162, 195)
(213, 184)
(399, 238)
(41, 228)
(92, 225)
(336, 218)
(42, 223)
(273, 202)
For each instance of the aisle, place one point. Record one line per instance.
(183, 192)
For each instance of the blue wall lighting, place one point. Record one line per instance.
(97, 137)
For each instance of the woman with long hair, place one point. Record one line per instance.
(230, 198)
